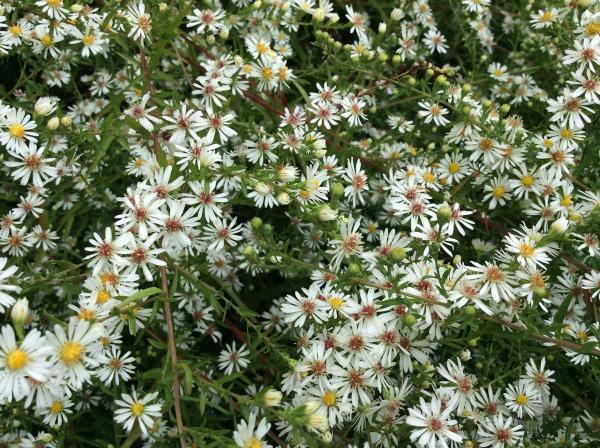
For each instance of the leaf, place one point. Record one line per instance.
(188, 378)
(561, 313)
(141, 294)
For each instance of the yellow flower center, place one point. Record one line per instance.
(103, 297)
(262, 47)
(329, 398)
(137, 409)
(566, 200)
(17, 359)
(336, 302)
(86, 314)
(453, 167)
(53, 3)
(522, 399)
(56, 407)
(527, 180)
(16, 130)
(582, 336)
(526, 250)
(88, 39)
(499, 191)
(15, 30)
(253, 442)
(267, 73)
(71, 352)
(593, 28)
(46, 40)
(566, 133)
(429, 177)
(547, 16)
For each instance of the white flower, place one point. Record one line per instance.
(233, 358)
(498, 432)
(523, 399)
(22, 362)
(249, 434)
(73, 351)
(132, 409)
(433, 426)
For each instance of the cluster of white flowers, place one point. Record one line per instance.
(402, 219)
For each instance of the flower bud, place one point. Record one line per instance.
(53, 124)
(283, 198)
(66, 120)
(320, 153)
(326, 213)
(211, 39)
(559, 226)
(398, 254)
(249, 252)
(465, 355)
(409, 320)
(470, 310)
(162, 7)
(505, 108)
(397, 14)
(444, 213)
(224, 33)
(318, 421)
(45, 106)
(20, 312)
(337, 189)
(318, 15)
(257, 4)
(396, 60)
(382, 28)
(76, 8)
(354, 268)
(383, 57)
(272, 398)
(256, 223)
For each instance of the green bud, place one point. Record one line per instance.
(256, 223)
(429, 73)
(467, 88)
(473, 342)
(338, 45)
(411, 81)
(396, 60)
(354, 268)
(337, 190)
(470, 310)
(409, 319)
(249, 252)
(319, 34)
(539, 292)
(398, 254)
(444, 213)
(479, 365)
(441, 79)
(382, 57)
(505, 108)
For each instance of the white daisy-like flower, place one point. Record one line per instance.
(22, 362)
(132, 409)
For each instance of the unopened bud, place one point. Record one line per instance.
(20, 312)
(398, 253)
(283, 198)
(45, 106)
(382, 28)
(409, 320)
(337, 189)
(53, 124)
(272, 398)
(318, 15)
(224, 33)
(397, 14)
(559, 226)
(66, 121)
(326, 213)
(211, 39)
(256, 223)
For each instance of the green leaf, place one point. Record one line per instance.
(141, 294)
